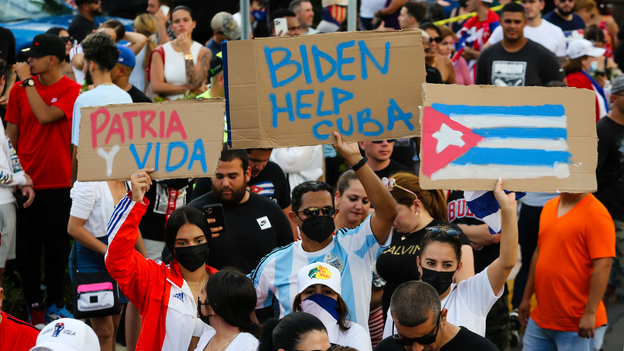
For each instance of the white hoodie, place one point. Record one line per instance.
(11, 172)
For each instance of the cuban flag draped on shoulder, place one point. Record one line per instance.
(483, 204)
(475, 34)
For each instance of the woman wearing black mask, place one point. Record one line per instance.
(166, 295)
(468, 302)
(226, 304)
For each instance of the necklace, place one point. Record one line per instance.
(414, 231)
(224, 346)
(203, 280)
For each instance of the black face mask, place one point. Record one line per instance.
(192, 257)
(440, 281)
(205, 319)
(318, 228)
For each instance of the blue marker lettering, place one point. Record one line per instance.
(396, 114)
(157, 157)
(173, 145)
(286, 61)
(302, 105)
(318, 55)
(316, 133)
(341, 129)
(198, 154)
(277, 110)
(305, 63)
(340, 60)
(364, 52)
(319, 111)
(346, 96)
(364, 117)
(140, 163)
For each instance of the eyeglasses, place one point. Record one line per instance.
(390, 141)
(423, 340)
(438, 230)
(436, 39)
(314, 212)
(391, 184)
(69, 39)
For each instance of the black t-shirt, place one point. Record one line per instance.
(433, 75)
(393, 167)
(80, 27)
(464, 340)
(164, 197)
(271, 182)
(568, 27)
(137, 95)
(254, 229)
(7, 47)
(459, 213)
(610, 169)
(397, 264)
(533, 65)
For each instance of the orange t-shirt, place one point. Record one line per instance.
(567, 246)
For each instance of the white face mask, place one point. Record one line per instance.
(593, 67)
(322, 307)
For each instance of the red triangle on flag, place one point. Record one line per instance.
(455, 140)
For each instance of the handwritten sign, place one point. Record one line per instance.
(537, 139)
(178, 139)
(297, 91)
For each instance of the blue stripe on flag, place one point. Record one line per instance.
(530, 133)
(501, 111)
(483, 204)
(512, 157)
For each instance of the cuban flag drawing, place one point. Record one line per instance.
(489, 142)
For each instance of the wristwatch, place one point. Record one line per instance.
(188, 57)
(28, 82)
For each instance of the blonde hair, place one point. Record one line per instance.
(147, 25)
(589, 5)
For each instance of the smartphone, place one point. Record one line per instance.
(165, 9)
(281, 25)
(215, 211)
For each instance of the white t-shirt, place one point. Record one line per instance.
(100, 96)
(137, 77)
(93, 202)
(547, 34)
(352, 252)
(356, 336)
(80, 76)
(242, 342)
(468, 304)
(368, 7)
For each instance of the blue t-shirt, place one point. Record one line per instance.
(214, 47)
(568, 27)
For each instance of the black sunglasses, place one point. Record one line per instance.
(67, 39)
(436, 39)
(438, 230)
(423, 340)
(313, 212)
(381, 141)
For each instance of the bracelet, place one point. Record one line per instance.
(356, 167)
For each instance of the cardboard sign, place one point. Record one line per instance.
(178, 139)
(296, 91)
(536, 139)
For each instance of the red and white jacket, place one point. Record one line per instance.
(161, 294)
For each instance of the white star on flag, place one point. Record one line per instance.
(447, 136)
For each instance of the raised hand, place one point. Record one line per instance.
(141, 182)
(350, 152)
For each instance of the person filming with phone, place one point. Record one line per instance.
(284, 23)
(253, 224)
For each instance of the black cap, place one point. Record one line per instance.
(44, 45)
(216, 65)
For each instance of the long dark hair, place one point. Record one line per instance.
(232, 296)
(288, 332)
(454, 241)
(181, 216)
(342, 309)
(433, 200)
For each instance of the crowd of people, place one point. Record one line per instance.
(321, 247)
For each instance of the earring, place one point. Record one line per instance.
(418, 213)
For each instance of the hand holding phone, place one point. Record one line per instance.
(165, 9)
(216, 218)
(281, 26)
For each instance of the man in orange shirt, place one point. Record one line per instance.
(569, 274)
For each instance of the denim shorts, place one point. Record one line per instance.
(89, 261)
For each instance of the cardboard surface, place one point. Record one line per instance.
(179, 139)
(535, 138)
(296, 91)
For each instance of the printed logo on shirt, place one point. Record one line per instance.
(53, 100)
(263, 188)
(335, 262)
(319, 272)
(459, 209)
(264, 222)
(509, 73)
(179, 296)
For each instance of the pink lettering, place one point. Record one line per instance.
(175, 125)
(129, 116)
(97, 130)
(116, 128)
(145, 126)
(162, 124)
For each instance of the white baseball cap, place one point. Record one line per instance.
(67, 334)
(319, 273)
(583, 47)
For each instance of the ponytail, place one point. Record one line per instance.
(433, 201)
(437, 206)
